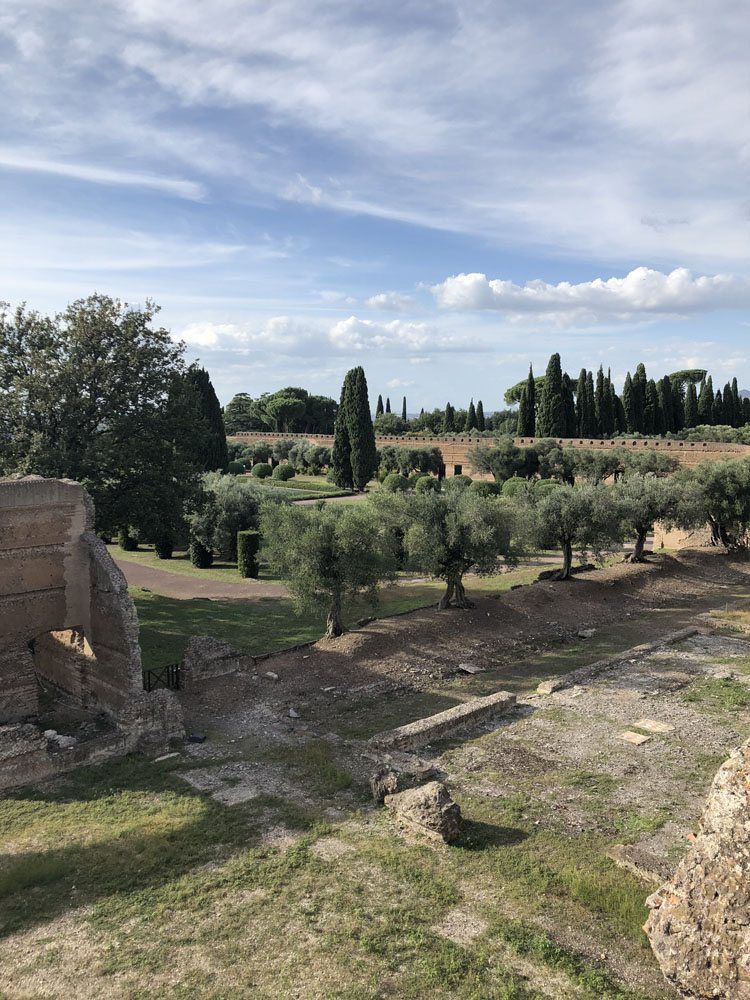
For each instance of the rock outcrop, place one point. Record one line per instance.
(428, 810)
(699, 925)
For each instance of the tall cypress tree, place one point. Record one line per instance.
(364, 454)
(523, 415)
(551, 417)
(718, 413)
(745, 410)
(628, 404)
(480, 416)
(590, 405)
(619, 412)
(691, 406)
(212, 441)
(599, 398)
(341, 453)
(664, 388)
(581, 403)
(639, 399)
(736, 405)
(448, 420)
(471, 418)
(706, 402)
(379, 408)
(387, 404)
(678, 404)
(570, 407)
(728, 401)
(403, 410)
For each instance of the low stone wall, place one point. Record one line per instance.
(699, 925)
(417, 734)
(205, 657)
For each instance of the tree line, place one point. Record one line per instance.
(558, 406)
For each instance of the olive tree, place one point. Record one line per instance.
(722, 499)
(643, 500)
(327, 554)
(584, 517)
(449, 533)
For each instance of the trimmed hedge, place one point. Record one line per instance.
(284, 472)
(459, 482)
(545, 486)
(248, 543)
(164, 546)
(236, 468)
(126, 541)
(200, 556)
(425, 484)
(261, 470)
(486, 488)
(394, 483)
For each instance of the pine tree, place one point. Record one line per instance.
(379, 408)
(551, 418)
(480, 416)
(471, 418)
(706, 402)
(403, 410)
(691, 406)
(212, 454)
(387, 404)
(364, 454)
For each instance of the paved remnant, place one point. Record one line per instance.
(642, 863)
(428, 810)
(654, 726)
(635, 738)
(699, 925)
(417, 734)
(592, 669)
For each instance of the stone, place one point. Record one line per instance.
(470, 668)
(586, 633)
(654, 726)
(63, 742)
(549, 687)
(428, 811)
(205, 658)
(642, 863)
(293, 714)
(699, 925)
(271, 675)
(419, 733)
(165, 756)
(635, 738)
(197, 738)
(383, 782)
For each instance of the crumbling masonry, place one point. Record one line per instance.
(66, 620)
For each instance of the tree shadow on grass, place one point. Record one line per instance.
(477, 836)
(163, 845)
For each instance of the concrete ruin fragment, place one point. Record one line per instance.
(67, 623)
(427, 811)
(699, 925)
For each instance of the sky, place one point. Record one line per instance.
(442, 191)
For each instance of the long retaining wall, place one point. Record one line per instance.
(455, 450)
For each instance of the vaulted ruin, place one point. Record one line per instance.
(67, 626)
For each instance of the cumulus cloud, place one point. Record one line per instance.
(279, 333)
(641, 293)
(356, 334)
(391, 301)
(398, 383)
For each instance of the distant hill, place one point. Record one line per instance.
(744, 393)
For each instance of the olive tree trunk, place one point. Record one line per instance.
(567, 551)
(637, 555)
(334, 624)
(454, 586)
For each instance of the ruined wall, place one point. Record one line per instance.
(699, 926)
(456, 450)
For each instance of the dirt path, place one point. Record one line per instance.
(346, 499)
(186, 587)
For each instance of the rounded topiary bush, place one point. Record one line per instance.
(427, 484)
(512, 487)
(394, 483)
(545, 486)
(248, 543)
(236, 468)
(284, 473)
(459, 482)
(414, 479)
(164, 546)
(200, 556)
(261, 470)
(486, 488)
(126, 541)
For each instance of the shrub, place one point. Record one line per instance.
(544, 486)
(236, 468)
(425, 484)
(459, 482)
(261, 470)
(164, 545)
(248, 543)
(414, 479)
(486, 488)
(394, 483)
(200, 556)
(126, 541)
(515, 486)
(284, 472)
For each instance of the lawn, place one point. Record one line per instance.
(267, 624)
(224, 571)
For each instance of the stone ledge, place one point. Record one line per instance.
(417, 734)
(634, 653)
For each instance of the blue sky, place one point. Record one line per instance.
(440, 191)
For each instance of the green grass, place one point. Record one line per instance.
(221, 570)
(714, 694)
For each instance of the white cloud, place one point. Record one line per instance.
(280, 334)
(14, 160)
(641, 293)
(398, 383)
(391, 301)
(358, 334)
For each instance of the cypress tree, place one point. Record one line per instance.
(746, 410)
(706, 402)
(728, 406)
(639, 398)
(599, 400)
(448, 423)
(551, 416)
(527, 408)
(664, 388)
(691, 406)
(379, 408)
(570, 407)
(608, 412)
(387, 404)
(212, 442)
(619, 409)
(653, 419)
(403, 410)
(736, 404)
(364, 454)
(678, 404)
(590, 405)
(718, 408)
(471, 418)
(523, 415)
(341, 453)
(480, 416)
(628, 404)
(581, 403)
